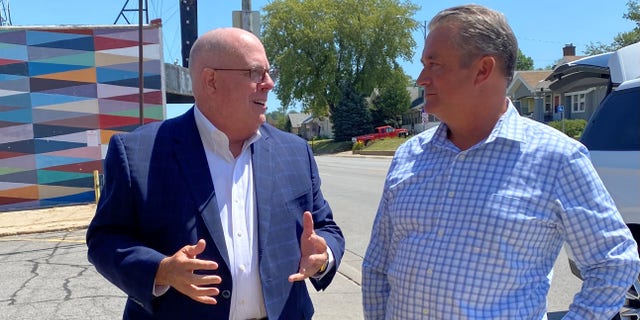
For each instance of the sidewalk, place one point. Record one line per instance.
(46, 220)
(342, 300)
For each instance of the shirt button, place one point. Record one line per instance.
(425, 311)
(451, 194)
(429, 272)
(226, 294)
(462, 156)
(242, 268)
(440, 233)
(239, 235)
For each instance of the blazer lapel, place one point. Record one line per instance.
(193, 162)
(263, 180)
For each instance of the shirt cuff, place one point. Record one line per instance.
(159, 290)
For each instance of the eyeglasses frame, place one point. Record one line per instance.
(273, 73)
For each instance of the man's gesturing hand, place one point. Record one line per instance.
(178, 271)
(313, 248)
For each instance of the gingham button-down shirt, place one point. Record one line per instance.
(474, 234)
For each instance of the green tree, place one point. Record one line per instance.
(523, 62)
(623, 38)
(351, 117)
(392, 100)
(322, 46)
(278, 119)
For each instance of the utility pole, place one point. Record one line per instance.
(246, 15)
(188, 27)
(247, 19)
(140, 63)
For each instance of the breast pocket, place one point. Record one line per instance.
(520, 226)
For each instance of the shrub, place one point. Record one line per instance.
(359, 145)
(573, 128)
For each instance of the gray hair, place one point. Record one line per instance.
(481, 31)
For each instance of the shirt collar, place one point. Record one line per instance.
(216, 140)
(509, 126)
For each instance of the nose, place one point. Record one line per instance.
(423, 78)
(267, 84)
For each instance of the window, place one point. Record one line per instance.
(577, 100)
(615, 124)
(547, 103)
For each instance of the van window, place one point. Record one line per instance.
(616, 124)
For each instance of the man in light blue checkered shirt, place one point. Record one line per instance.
(475, 211)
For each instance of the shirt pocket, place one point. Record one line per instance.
(516, 225)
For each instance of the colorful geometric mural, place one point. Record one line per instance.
(64, 91)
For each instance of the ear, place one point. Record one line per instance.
(208, 80)
(486, 66)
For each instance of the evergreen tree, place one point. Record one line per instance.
(351, 116)
(392, 100)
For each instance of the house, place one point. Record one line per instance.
(415, 119)
(527, 87)
(539, 95)
(296, 120)
(308, 127)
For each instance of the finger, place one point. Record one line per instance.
(193, 251)
(307, 224)
(205, 295)
(204, 291)
(201, 280)
(297, 277)
(201, 294)
(198, 264)
(205, 299)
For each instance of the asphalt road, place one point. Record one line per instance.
(47, 276)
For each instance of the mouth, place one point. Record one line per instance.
(260, 102)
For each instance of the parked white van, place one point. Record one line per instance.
(612, 136)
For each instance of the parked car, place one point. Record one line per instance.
(381, 133)
(612, 136)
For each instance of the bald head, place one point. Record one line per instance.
(219, 44)
(222, 64)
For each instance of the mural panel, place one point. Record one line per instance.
(64, 91)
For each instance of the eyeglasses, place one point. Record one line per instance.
(256, 74)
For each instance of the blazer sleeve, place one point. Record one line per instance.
(114, 246)
(324, 225)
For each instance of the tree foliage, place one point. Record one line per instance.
(391, 101)
(278, 119)
(322, 46)
(523, 62)
(351, 116)
(622, 39)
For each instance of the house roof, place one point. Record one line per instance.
(532, 78)
(532, 81)
(298, 118)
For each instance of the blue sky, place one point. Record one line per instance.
(542, 27)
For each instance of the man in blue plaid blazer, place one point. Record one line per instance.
(215, 214)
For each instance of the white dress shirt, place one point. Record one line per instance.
(233, 183)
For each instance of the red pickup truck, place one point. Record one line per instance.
(381, 133)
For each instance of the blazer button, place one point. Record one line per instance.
(226, 294)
